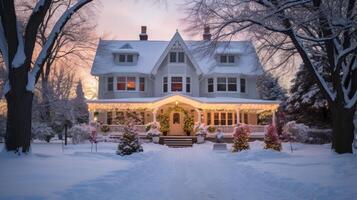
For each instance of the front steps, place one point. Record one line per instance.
(177, 141)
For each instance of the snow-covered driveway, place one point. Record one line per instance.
(312, 172)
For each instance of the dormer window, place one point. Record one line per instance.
(227, 59)
(177, 57)
(124, 58)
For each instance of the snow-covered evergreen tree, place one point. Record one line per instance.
(306, 103)
(271, 139)
(80, 106)
(129, 143)
(269, 87)
(240, 138)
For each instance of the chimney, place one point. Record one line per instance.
(206, 33)
(143, 35)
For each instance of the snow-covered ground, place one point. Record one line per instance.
(310, 172)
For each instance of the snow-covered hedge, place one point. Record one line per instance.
(79, 133)
(301, 133)
(42, 131)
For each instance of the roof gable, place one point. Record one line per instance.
(176, 43)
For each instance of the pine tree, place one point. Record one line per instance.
(271, 139)
(306, 103)
(241, 138)
(80, 106)
(129, 143)
(269, 87)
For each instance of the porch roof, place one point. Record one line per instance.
(197, 102)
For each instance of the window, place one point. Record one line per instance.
(210, 84)
(221, 84)
(216, 118)
(173, 57)
(142, 83)
(232, 84)
(245, 118)
(109, 118)
(223, 59)
(164, 84)
(121, 81)
(176, 118)
(209, 118)
(181, 57)
(131, 83)
(242, 85)
(188, 84)
(176, 84)
(231, 59)
(230, 119)
(121, 58)
(223, 118)
(110, 83)
(129, 58)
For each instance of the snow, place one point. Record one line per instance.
(39, 4)
(150, 52)
(3, 46)
(20, 56)
(309, 172)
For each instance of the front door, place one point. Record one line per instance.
(176, 124)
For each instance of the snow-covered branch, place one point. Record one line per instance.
(34, 73)
(3, 46)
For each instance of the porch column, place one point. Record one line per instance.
(238, 117)
(91, 117)
(154, 114)
(198, 115)
(274, 118)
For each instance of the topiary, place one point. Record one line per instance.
(271, 139)
(105, 128)
(211, 129)
(241, 138)
(188, 124)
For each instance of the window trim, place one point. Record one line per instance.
(208, 84)
(226, 91)
(182, 84)
(112, 84)
(177, 57)
(227, 57)
(167, 84)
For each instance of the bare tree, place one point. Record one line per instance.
(321, 32)
(17, 45)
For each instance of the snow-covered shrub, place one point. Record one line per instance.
(42, 131)
(296, 132)
(200, 129)
(271, 138)
(241, 138)
(211, 129)
(129, 143)
(105, 128)
(79, 133)
(154, 129)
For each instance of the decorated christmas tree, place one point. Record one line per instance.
(129, 143)
(240, 138)
(271, 139)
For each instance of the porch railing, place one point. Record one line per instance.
(229, 128)
(120, 128)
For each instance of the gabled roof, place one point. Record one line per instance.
(151, 54)
(175, 38)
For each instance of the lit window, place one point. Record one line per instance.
(242, 85)
(230, 119)
(181, 57)
(221, 84)
(121, 81)
(209, 118)
(110, 84)
(188, 84)
(223, 118)
(223, 59)
(164, 85)
(176, 118)
(173, 57)
(176, 84)
(231, 59)
(129, 58)
(210, 84)
(216, 118)
(131, 83)
(232, 84)
(142, 83)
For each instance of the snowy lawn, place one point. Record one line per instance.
(310, 172)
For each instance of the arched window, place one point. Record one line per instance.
(176, 118)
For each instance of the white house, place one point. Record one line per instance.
(174, 79)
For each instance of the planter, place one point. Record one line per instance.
(155, 139)
(200, 139)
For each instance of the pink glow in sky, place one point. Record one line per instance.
(121, 19)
